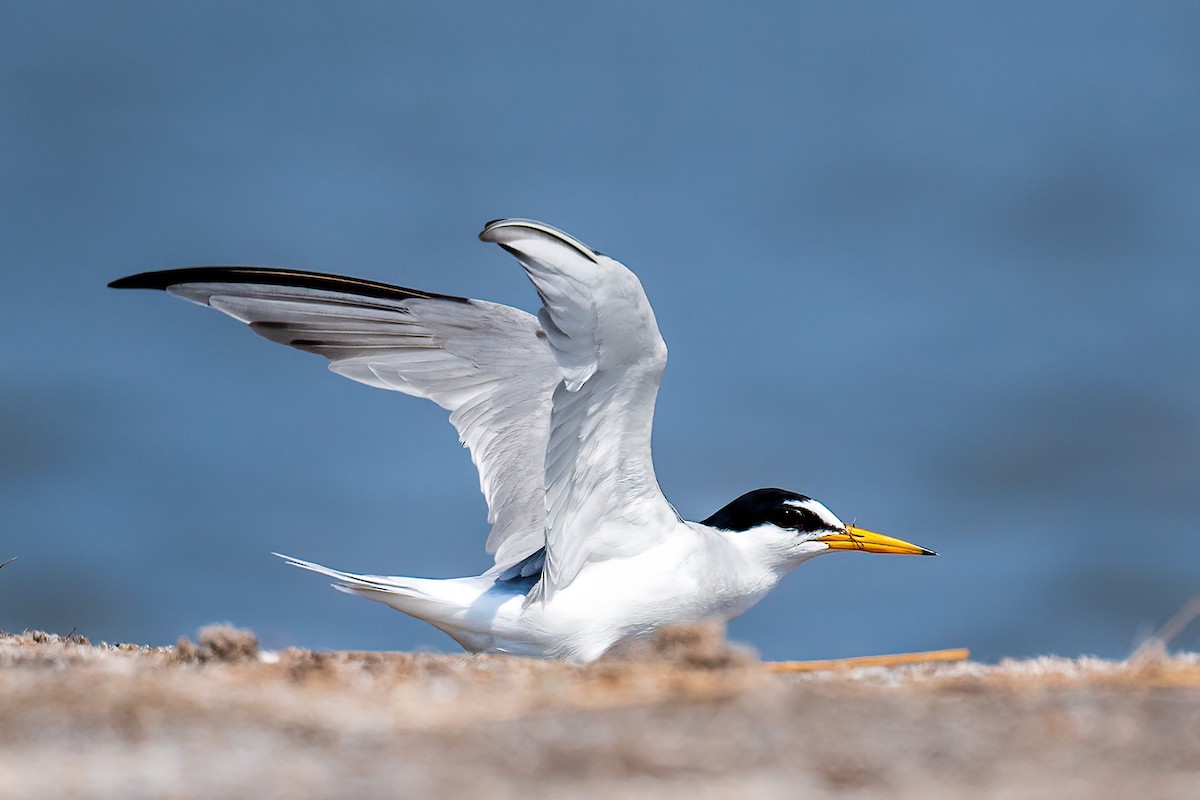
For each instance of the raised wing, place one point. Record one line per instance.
(488, 364)
(602, 497)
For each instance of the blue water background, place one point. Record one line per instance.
(937, 265)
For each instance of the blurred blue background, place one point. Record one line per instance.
(935, 265)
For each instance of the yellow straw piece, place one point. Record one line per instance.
(957, 654)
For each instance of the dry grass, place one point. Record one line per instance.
(686, 717)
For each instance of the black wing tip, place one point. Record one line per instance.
(487, 226)
(143, 280)
(546, 230)
(165, 279)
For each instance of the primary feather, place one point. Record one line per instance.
(487, 364)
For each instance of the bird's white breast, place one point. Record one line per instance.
(692, 573)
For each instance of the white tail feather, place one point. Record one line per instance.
(353, 582)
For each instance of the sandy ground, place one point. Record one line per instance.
(688, 719)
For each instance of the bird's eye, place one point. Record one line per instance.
(798, 519)
(786, 518)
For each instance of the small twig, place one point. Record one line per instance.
(957, 654)
(1157, 644)
(1181, 619)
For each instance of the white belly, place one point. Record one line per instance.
(680, 581)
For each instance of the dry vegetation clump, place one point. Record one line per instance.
(701, 646)
(223, 643)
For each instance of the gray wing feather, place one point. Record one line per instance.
(489, 365)
(602, 496)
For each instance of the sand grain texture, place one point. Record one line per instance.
(218, 718)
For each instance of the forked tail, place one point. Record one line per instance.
(450, 605)
(369, 586)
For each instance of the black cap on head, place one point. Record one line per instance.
(767, 506)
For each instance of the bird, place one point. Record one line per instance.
(556, 410)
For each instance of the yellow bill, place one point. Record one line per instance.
(868, 541)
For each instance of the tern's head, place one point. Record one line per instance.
(798, 527)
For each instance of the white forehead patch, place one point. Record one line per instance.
(824, 514)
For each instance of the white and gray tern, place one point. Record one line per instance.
(556, 411)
